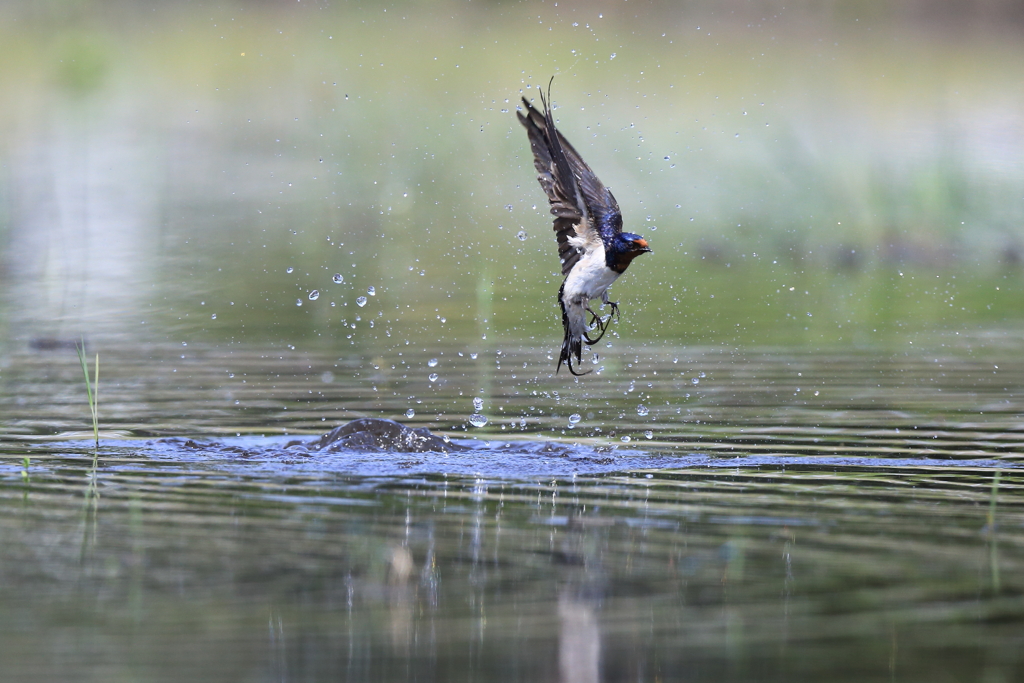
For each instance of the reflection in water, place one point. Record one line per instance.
(695, 574)
(579, 641)
(278, 648)
(992, 526)
(584, 580)
(401, 597)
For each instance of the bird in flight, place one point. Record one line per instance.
(588, 225)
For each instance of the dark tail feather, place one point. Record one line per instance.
(571, 346)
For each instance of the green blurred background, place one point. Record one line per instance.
(807, 172)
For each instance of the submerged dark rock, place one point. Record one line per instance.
(53, 344)
(370, 433)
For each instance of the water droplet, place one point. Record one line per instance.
(338, 278)
(574, 419)
(649, 434)
(361, 301)
(371, 290)
(641, 410)
(472, 356)
(289, 269)
(612, 56)
(298, 302)
(626, 439)
(521, 235)
(695, 380)
(432, 377)
(477, 420)
(478, 404)
(432, 363)
(702, 375)
(213, 317)
(410, 413)
(314, 295)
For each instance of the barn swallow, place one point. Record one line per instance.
(588, 226)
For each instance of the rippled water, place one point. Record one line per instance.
(792, 515)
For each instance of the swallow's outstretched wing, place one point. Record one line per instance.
(579, 200)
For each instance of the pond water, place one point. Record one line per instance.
(791, 515)
(797, 455)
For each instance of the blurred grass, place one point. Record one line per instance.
(829, 156)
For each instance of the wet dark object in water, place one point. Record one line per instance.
(387, 435)
(53, 344)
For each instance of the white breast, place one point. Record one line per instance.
(590, 278)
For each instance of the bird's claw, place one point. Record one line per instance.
(601, 325)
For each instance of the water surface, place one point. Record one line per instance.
(747, 530)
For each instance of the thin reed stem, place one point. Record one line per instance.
(92, 389)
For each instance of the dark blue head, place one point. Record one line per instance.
(624, 247)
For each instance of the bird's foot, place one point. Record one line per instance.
(572, 371)
(600, 323)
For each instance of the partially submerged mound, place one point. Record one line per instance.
(387, 435)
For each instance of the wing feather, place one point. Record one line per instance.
(579, 201)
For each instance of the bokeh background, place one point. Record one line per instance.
(806, 172)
